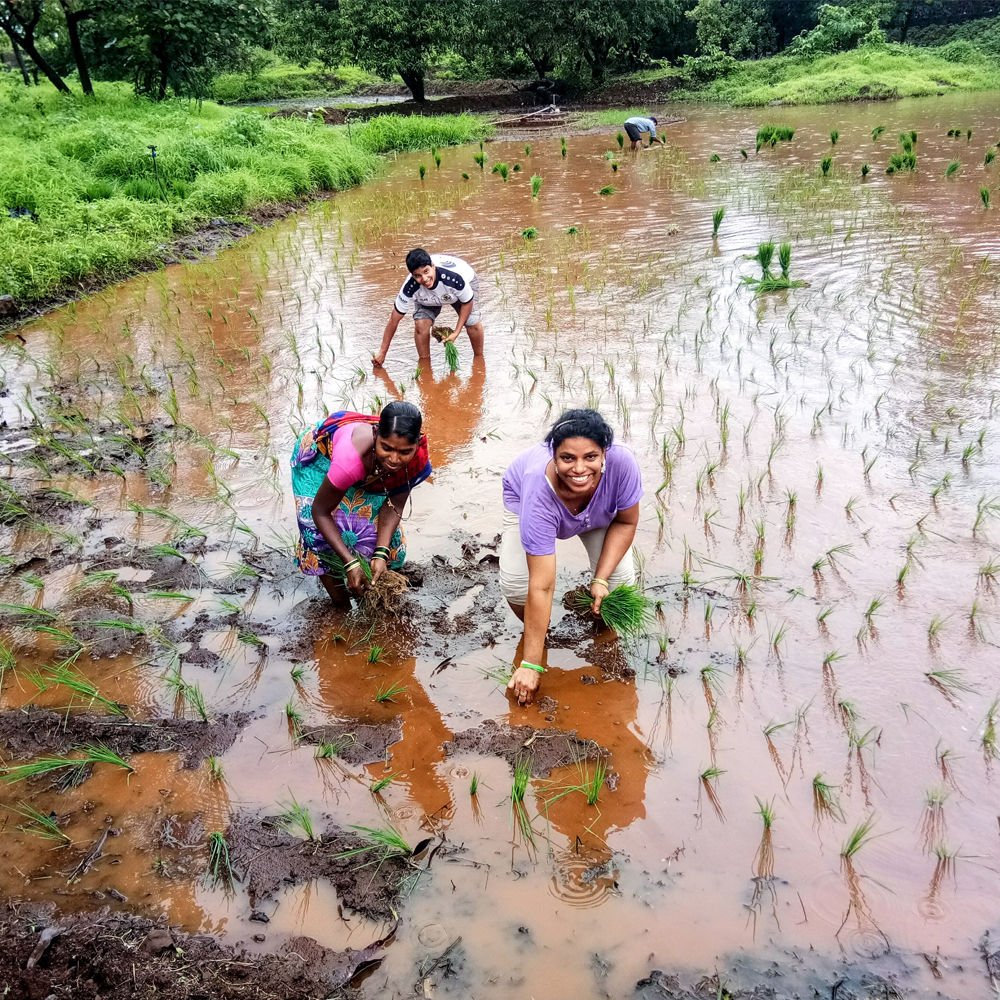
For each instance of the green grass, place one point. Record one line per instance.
(608, 117)
(84, 171)
(866, 73)
(386, 842)
(39, 824)
(396, 133)
(286, 80)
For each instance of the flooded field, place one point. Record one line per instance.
(800, 756)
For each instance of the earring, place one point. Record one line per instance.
(604, 465)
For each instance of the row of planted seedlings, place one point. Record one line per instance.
(952, 438)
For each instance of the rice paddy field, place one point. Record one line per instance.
(788, 781)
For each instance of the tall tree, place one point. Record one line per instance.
(399, 36)
(19, 21)
(74, 14)
(309, 29)
(178, 45)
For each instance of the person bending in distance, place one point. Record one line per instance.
(351, 477)
(577, 484)
(636, 126)
(435, 280)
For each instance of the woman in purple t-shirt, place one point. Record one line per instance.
(576, 484)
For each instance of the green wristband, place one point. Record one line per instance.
(533, 666)
(353, 564)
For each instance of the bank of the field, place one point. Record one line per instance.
(84, 200)
(281, 80)
(881, 72)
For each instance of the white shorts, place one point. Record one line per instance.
(514, 561)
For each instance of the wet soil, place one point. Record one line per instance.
(29, 732)
(114, 956)
(542, 750)
(265, 856)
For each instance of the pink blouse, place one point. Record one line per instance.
(346, 467)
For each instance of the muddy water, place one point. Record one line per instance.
(819, 526)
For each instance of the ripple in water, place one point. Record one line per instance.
(432, 935)
(581, 880)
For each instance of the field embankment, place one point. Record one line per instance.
(882, 72)
(91, 191)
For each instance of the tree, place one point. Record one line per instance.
(310, 29)
(500, 34)
(743, 29)
(177, 45)
(19, 21)
(74, 14)
(398, 36)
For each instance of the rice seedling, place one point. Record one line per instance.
(877, 131)
(381, 783)
(711, 682)
(215, 769)
(717, 216)
(834, 137)
(527, 150)
(422, 170)
(572, 231)
(387, 692)
(529, 233)
(784, 258)
(626, 610)
(502, 169)
(984, 196)
(620, 139)
(219, 867)
(536, 185)
(193, 694)
(991, 155)
(707, 780)
(297, 817)
(297, 673)
(952, 168)
(39, 824)
(715, 158)
(825, 164)
(295, 718)
(763, 862)
(64, 675)
(387, 842)
(608, 189)
(858, 838)
(874, 605)
(562, 147)
(480, 160)
(826, 801)
(519, 787)
(777, 637)
(771, 135)
(865, 170)
(823, 614)
(375, 654)
(832, 657)
(474, 784)
(437, 158)
(988, 738)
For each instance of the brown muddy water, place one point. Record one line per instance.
(820, 529)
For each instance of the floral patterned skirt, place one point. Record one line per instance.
(355, 517)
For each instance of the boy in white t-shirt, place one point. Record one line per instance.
(435, 280)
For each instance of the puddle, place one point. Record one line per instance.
(819, 527)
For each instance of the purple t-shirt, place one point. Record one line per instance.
(544, 517)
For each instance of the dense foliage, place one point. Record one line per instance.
(178, 47)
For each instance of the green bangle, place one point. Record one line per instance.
(533, 666)
(381, 552)
(348, 566)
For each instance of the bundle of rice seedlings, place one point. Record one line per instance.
(626, 609)
(384, 594)
(450, 350)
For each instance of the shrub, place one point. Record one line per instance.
(226, 193)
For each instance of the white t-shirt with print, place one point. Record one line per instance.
(454, 284)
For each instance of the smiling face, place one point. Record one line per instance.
(394, 451)
(578, 462)
(426, 275)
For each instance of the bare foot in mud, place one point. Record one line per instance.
(524, 683)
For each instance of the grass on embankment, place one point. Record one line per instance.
(79, 199)
(866, 73)
(286, 80)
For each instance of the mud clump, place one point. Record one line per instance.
(115, 956)
(29, 732)
(545, 748)
(356, 742)
(266, 857)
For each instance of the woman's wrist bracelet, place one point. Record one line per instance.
(381, 552)
(601, 581)
(353, 564)
(533, 666)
